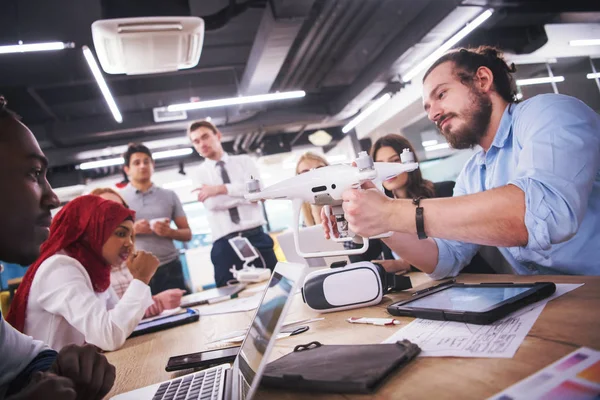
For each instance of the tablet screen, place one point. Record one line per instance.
(244, 248)
(162, 321)
(474, 299)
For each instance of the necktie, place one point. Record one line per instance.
(233, 212)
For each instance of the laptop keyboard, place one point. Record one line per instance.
(203, 385)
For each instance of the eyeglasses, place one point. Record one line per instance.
(306, 170)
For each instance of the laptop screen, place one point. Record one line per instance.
(269, 312)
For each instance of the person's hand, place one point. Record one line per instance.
(162, 228)
(46, 385)
(327, 226)
(155, 309)
(170, 298)
(142, 227)
(207, 191)
(89, 370)
(395, 266)
(367, 210)
(142, 265)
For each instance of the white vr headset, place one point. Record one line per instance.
(355, 285)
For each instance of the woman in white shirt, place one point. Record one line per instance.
(121, 278)
(65, 296)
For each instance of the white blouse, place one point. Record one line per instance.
(63, 308)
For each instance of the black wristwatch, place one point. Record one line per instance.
(419, 218)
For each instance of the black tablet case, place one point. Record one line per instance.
(338, 368)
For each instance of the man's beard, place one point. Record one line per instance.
(477, 120)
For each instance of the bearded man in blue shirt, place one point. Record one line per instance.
(532, 190)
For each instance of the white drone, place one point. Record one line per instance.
(324, 186)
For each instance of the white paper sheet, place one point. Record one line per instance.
(575, 376)
(232, 306)
(458, 339)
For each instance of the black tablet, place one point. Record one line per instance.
(190, 315)
(206, 296)
(475, 304)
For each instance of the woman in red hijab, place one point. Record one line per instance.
(65, 296)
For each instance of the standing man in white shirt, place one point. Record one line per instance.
(221, 185)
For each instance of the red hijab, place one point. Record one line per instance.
(80, 229)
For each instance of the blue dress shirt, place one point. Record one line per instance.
(549, 147)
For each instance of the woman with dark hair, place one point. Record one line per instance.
(65, 296)
(406, 185)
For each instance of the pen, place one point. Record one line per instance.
(220, 299)
(374, 321)
(429, 289)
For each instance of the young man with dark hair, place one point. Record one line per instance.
(221, 181)
(28, 368)
(151, 202)
(533, 190)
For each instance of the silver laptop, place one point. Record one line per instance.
(240, 381)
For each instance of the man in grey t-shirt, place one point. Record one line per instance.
(155, 208)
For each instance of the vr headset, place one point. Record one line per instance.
(354, 285)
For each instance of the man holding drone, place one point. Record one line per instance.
(533, 190)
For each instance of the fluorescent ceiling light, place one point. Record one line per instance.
(585, 42)
(537, 81)
(429, 143)
(439, 146)
(172, 153)
(178, 184)
(117, 150)
(237, 100)
(119, 160)
(25, 48)
(368, 111)
(447, 45)
(89, 57)
(101, 163)
(593, 76)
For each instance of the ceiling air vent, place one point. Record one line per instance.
(148, 45)
(162, 115)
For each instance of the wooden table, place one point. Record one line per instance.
(567, 323)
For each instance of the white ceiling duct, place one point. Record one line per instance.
(148, 45)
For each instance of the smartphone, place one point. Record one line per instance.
(202, 359)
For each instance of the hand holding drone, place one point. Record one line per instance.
(324, 186)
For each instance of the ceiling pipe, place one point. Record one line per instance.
(374, 79)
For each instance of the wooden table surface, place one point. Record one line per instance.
(567, 323)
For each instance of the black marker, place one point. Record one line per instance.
(429, 289)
